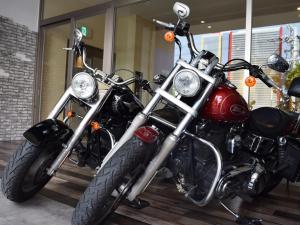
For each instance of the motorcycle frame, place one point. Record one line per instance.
(94, 109)
(173, 138)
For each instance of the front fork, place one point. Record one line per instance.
(172, 139)
(67, 148)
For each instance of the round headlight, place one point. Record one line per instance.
(83, 85)
(187, 83)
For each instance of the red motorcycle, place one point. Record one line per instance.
(213, 145)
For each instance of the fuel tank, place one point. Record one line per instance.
(226, 105)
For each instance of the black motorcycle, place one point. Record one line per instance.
(215, 147)
(102, 117)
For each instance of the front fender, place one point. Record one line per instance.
(48, 130)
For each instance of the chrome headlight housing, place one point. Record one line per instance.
(84, 85)
(187, 83)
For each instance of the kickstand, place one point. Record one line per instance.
(242, 220)
(137, 203)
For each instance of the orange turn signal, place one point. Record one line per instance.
(250, 81)
(169, 36)
(95, 125)
(70, 114)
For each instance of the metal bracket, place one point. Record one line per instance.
(177, 102)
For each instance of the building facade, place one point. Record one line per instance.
(18, 41)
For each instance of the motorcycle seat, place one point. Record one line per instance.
(271, 122)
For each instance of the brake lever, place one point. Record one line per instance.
(169, 26)
(145, 85)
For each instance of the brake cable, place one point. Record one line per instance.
(235, 59)
(177, 41)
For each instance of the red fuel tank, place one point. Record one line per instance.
(226, 105)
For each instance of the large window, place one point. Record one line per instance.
(58, 65)
(276, 29)
(218, 26)
(140, 46)
(55, 62)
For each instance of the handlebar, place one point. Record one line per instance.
(182, 29)
(103, 77)
(256, 71)
(271, 83)
(84, 60)
(169, 26)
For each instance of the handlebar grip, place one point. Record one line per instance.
(272, 83)
(266, 81)
(169, 26)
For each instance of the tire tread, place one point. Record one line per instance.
(90, 205)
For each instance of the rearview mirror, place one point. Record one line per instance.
(276, 62)
(181, 10)
(77, 36)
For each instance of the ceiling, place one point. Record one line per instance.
(210, 11)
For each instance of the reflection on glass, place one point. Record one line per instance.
(93, 39)
(277, 30)
(94, 44)
(58, 7)
(140, 46)
(54, 66)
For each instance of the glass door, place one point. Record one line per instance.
(58, 65)
(54, 65)
(93, 37)
(93, 32)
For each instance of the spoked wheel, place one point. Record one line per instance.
(26, 171)
(97, 202)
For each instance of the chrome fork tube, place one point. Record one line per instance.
(141, 118)
(217, 155)
(152, 167)
(60, 104)
(157, 96)
(78, 132)
(138, 121)
(186, 120)
(167, 147)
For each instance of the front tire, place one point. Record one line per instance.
(25, 174)
(96, 203)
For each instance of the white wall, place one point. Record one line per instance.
(24, 12)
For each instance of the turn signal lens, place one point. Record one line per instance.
(79, 62)
(250, 81)
(95, 125)
(169, 36)
(70, 114)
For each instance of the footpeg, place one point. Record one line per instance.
(242, 220)
(74, 161)
(137, 203)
